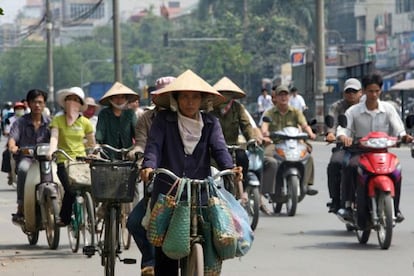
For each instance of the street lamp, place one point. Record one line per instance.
(89, 61)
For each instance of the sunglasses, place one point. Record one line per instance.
(350, 90)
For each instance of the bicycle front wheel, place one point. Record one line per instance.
(195, 265)
(125, 235)
(73, 227)
(110, 243)
(88, 222)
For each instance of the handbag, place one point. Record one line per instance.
(160, 217)
(224, 232)
(241, 221)
(176, 244)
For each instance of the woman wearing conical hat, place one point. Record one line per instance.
(116, 123)
(183, 141)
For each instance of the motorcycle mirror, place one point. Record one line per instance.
(312, 122)
(329, 121)
(267, 119)
(409, 121)
(342, 120)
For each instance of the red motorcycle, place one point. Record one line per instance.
(378, 173)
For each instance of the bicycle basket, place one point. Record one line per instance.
(114, 181)
(79, 175)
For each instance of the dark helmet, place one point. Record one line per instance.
(8, 104)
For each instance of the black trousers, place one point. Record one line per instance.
(68, 197)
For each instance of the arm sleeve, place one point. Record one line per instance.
(155, 141)
(218, 147)
(245, 125)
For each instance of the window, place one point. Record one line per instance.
(87, 11)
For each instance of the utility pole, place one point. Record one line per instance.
(117, 41)
(49, 51)
(320, 61)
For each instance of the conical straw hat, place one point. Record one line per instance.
(118, 89)
(226, 85)
(188, 81)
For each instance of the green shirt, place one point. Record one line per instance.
(233, 121)
(116, 131)
(293, 117)
(71, 137)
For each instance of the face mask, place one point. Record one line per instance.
(88, 113)
(119, 106)
(19, 112)
(72, 111)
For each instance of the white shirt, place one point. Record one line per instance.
(361, 121)
(263, 103)
(297, 102)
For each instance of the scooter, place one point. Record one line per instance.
(378, 173)
(292, 153)
(43, 194)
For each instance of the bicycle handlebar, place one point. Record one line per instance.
(193, 181)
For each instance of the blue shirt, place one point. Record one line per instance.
(24, 133)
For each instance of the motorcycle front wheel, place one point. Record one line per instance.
(363, 235)
(52, 229)
(252, 205)
(33, 237)
(293, 183)
(384, 232)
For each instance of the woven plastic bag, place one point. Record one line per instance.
(160, 217)
(223, 228)
(241, 222)
(212, 262)
(176, 243)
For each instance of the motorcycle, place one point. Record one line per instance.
(43, 194)
(292, 154)
(378, 172)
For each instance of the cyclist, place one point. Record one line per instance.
(68, 130)
(134, 224)
(28, 130)
(233, 119)
(183, 140)
(116, 123)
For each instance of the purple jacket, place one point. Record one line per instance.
(164, 149)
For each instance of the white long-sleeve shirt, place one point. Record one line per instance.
(361, 121)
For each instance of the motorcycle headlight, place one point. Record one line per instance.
(42, 150)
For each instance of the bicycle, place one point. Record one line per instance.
(83, 211)
(194, 263)
(113, 183)
(126, 208)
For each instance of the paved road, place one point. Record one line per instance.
(311, 243)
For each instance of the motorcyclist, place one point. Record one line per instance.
(362, 118)
(28, 130)
(351, 95)
(282, 115)
(233, 119)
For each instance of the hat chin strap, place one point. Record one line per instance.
(119, 106)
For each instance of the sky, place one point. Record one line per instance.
(10, 9)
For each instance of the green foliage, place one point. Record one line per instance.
(241, 39)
